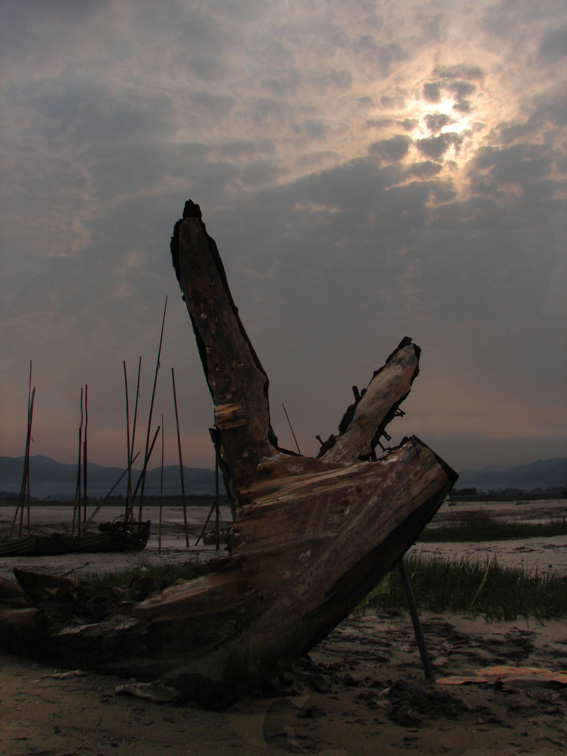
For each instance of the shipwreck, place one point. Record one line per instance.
(310, 538)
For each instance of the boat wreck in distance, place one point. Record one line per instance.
(310, 538)
(120, 535)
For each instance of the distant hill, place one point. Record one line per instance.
(543, 474)
(56, 480)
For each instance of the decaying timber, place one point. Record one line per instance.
(310, 536)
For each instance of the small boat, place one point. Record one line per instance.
(210, 536)
(119, 535)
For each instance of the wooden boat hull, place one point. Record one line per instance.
(310, 538)
(106, 540)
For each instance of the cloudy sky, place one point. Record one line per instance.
(370, 170)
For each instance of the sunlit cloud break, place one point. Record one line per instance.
(369, 171)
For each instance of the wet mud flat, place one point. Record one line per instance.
(360, 692)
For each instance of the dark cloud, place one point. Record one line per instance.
(436, 147)
(313, 128)
(432, 92)
(246, 149)
(259, 173)
(284, 85)
(392, 149)
(459, 71)
(553, 46)
(437, 121)
(395, 100)
(525, 163)
(207, 67)
(425, 170)
(409, 124)
(219, 106)
(339, 233)
(381, 56)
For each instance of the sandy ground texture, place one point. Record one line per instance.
(361, 692)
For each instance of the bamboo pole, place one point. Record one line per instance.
(109, 494)
(418, 632)
(28, 461)
(77, 504)
(25, 486)
(291, 429)
(129, 497)
(217, 510)
(128, 448)
(161, 485)
(150, 417)
(148, 456)
(180, 461)
(31, 399)
(85, 456)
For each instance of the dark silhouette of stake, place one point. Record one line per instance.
(291, 429)
(180, 461)
(425, 660)
(161, 484)
(109, 494)
(85, 456)
(77, 505)
(24, 498)
(150, 417)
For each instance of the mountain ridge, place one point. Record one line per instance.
(52, 479)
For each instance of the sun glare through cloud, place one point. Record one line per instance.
(368, 171)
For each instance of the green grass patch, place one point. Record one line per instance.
(477, 526)
(475, 588)
(162, 575)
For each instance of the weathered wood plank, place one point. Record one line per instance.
(310, 537)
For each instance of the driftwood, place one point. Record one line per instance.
(310, 538)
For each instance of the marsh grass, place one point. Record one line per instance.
(477, 525)
(162, 575)
(476, 588)
(439, 585)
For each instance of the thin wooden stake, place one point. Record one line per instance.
(161, 485)
(425, 660)
(217, 509)
(180, 461)
(291, 429)
(148, 456)
(28, 446)
(109, 494)
(25, 486)
(85, 455)
(151, 411)
(77, 505)
(129, 488)
(128, 507)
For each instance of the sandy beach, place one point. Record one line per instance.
(361, 691)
